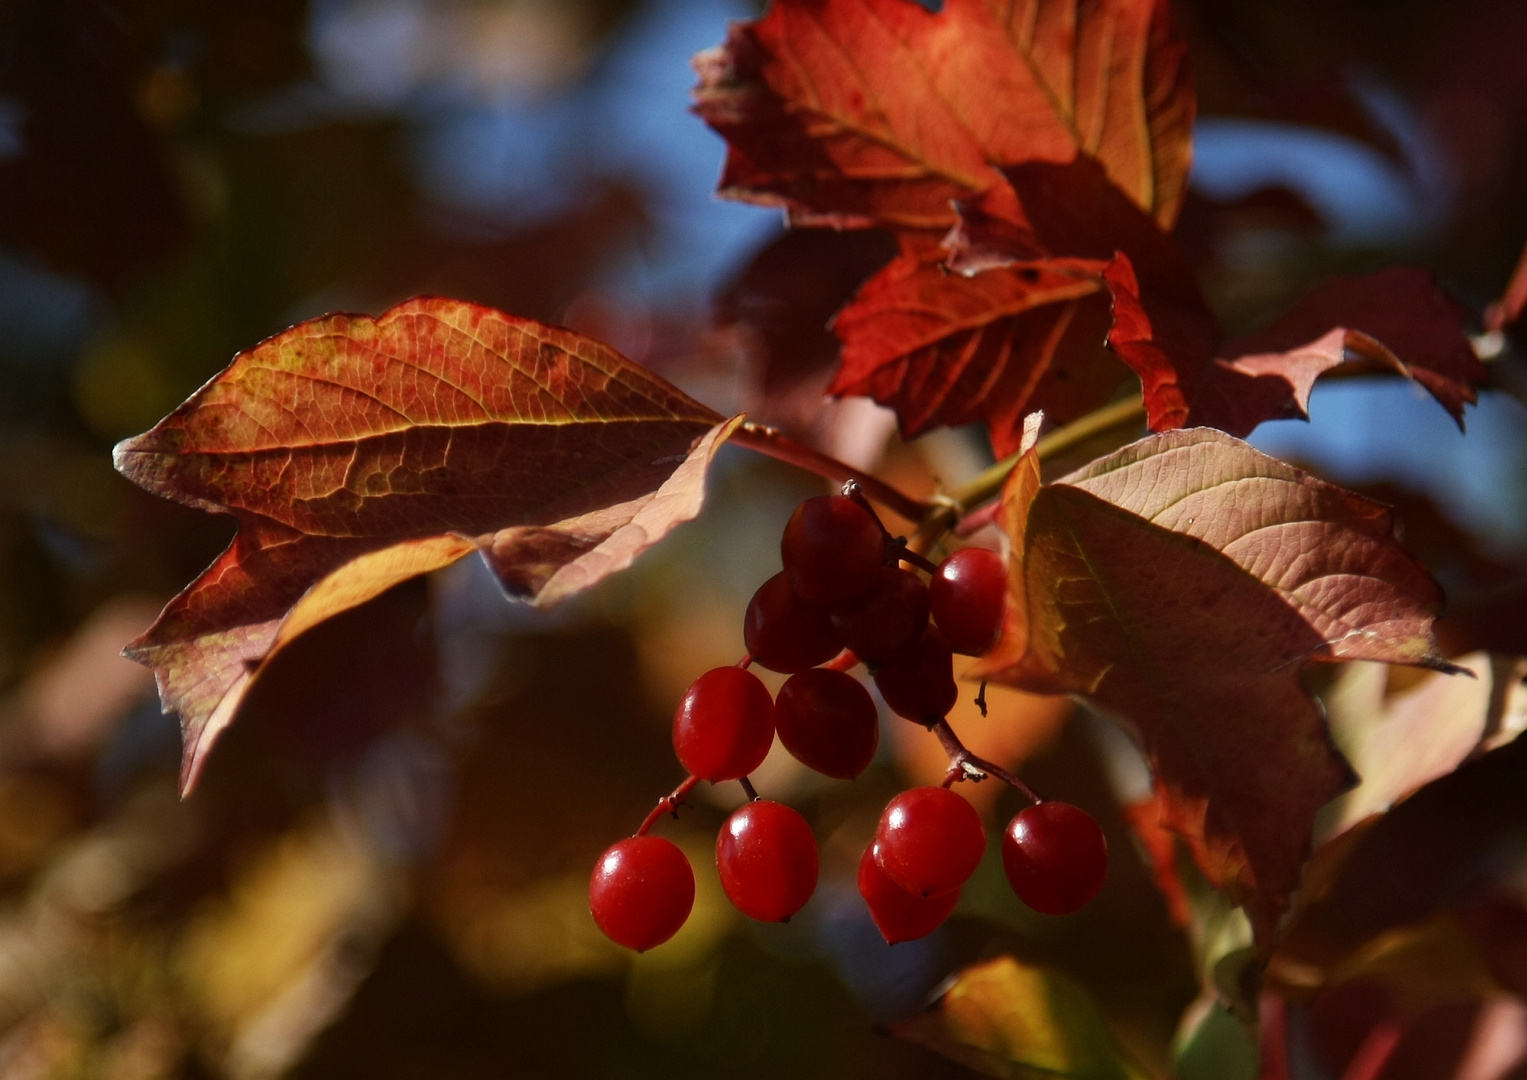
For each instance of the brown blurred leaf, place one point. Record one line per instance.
(1453, 840)
(92, 190)
(782, 303)
(87, 685)
(1399, 744)
(1004, 1018)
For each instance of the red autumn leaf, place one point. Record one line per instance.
(1180, 583)
(944, 349)
(1022, 326)
(1165, 332)
(357, 452)
(1394, 319)
(855, 112)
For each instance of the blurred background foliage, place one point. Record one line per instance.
(384, 871)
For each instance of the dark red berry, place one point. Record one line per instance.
(898, 914)
(828, 720)
(831, 548)
(785, 633)
(929, 840)
(767, 859)
(724, 725)
(917, 681)
(892, 614)
(1055, 857)
(966, 596)
(641, 892)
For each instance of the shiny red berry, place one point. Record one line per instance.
(1055, 856)
(828, 721)
(785, 633)
(917, 681)
(929, 840)
(966, 596)
(641, 892)
(724, 725)
(831, 548)
(767, 859)
(898, 914)
(891, 615)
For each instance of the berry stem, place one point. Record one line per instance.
(905, 553)
(1125, 413)
(854, 490)
(748, 789)
(771, 443)
(668, 804)
(963, 765)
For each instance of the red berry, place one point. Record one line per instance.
(767, 859)
(898, 914)
(724, 725)
(929, 841)
(828, 720)
(831, 548)
(892, 614)
(917, 681)
(641, 892)
(785, 633)
(966, 596)
(1055, 857)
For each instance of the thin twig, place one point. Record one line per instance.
(668, 804)
(771, 443)
(905, 553)
(1128, 411)
(963, 765)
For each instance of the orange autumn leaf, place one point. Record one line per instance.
(356, 452)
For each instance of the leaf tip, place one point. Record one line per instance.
(1031, 425)
(123, 455)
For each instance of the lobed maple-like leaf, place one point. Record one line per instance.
(356, 452)
(1180, 583)
(1395, 319)
(945, 349)
(1023, 322)
(855, 112)
(1073, 216)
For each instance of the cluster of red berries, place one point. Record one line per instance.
(843, 597)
